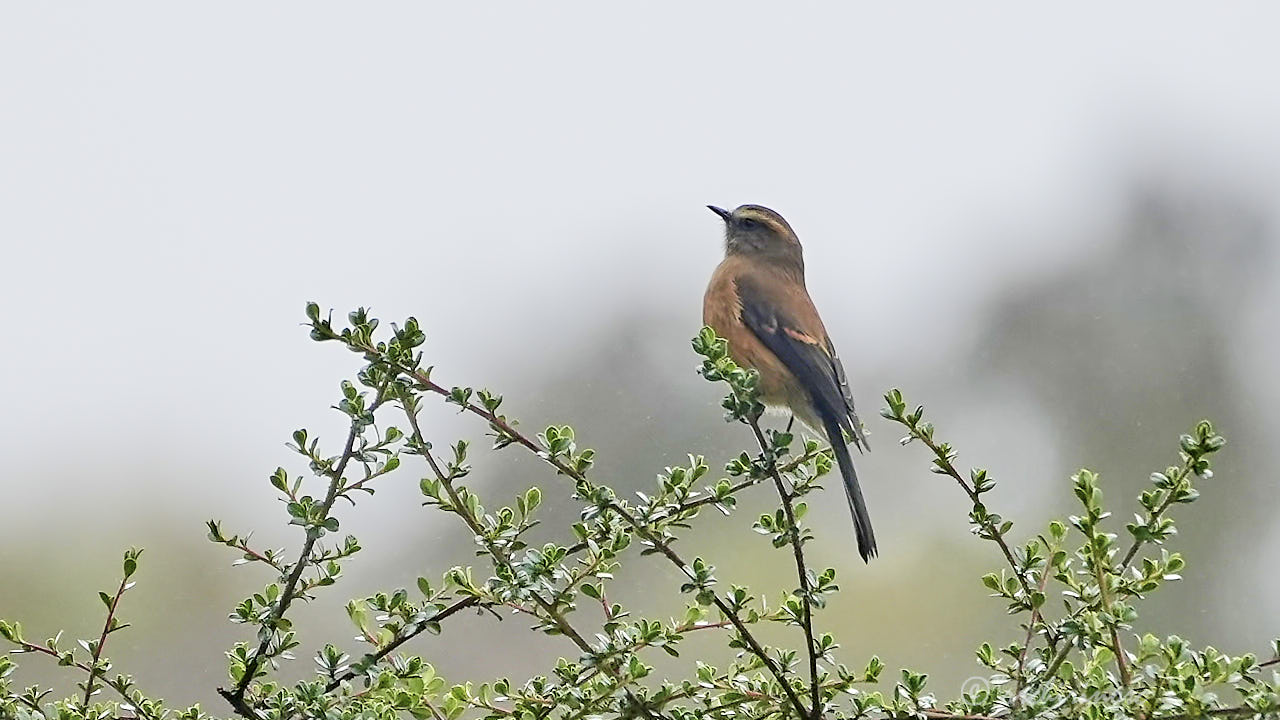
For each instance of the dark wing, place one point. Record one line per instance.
(801, 346)
(799, 341)
(859, 433)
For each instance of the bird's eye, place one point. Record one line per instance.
(750, 223)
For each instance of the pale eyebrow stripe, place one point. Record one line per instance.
(769, 218)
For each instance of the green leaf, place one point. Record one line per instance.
(130, 565)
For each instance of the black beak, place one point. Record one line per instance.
(724, 214)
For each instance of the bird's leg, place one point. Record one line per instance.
(791, 422)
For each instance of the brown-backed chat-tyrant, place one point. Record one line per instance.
(758, 302)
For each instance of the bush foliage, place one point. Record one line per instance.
(1072, 590)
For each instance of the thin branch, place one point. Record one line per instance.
(243, 547)
(724, 608)
(33, 647)
(943, 715)
(432, 708)
(708, 499)
(1156, 514)
(501, 555)
(374, 658)
(748, 696)
(425, 383)
(806, 594)
(1170, 494)
(235, 696)
(1121, 661)
(1057, 660)
(783, 469)
(1228, 712)
(1101, 572)
(1026, 643)
(684, 628)
(33, 705)
(944, 463)
(102, 640)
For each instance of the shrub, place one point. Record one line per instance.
(1078, 657)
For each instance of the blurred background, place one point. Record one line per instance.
(1057, 230)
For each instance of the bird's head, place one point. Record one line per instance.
(758, 231)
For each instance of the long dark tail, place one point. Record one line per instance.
(858, 506)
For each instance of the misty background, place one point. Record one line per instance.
(1057, 230)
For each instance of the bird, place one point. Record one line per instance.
(757, 301)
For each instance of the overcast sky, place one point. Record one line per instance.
(176, 180)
